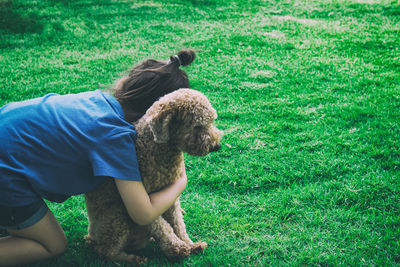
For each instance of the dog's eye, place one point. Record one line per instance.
(198, 128)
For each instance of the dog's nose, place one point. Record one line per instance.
(215, 148)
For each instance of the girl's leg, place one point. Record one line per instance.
(43, 240)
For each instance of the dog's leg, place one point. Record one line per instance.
(114, 251)
(110, 239)
(174, 217)
(171, 245)
(138, 237)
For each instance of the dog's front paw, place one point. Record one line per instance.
(180, 251)
(130, 258)
(140, 260)
(198, 247)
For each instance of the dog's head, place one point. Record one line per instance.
(184, 119)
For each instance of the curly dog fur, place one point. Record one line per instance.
(181, 121)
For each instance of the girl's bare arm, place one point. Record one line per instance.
(144, 208)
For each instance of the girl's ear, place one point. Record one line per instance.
(159, 123)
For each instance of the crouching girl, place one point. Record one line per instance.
(57, 146)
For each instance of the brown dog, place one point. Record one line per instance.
(181, 121)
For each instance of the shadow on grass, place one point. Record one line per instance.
(3, 233)
(13, 22)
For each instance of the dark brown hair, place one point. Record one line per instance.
(150, 80)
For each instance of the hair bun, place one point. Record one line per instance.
(186, 56)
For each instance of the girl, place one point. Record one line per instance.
(57, 146)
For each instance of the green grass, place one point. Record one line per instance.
(307, 93)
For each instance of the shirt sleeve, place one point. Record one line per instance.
(116, 157)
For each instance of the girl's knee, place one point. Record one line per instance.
(58, 251)
(59, 247)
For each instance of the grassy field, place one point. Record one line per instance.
(308, 96)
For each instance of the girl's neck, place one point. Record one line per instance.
(130, 115)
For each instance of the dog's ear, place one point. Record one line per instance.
(159, 124)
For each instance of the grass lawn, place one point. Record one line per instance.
(307, 92)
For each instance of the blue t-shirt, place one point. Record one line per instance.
(62, 145)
